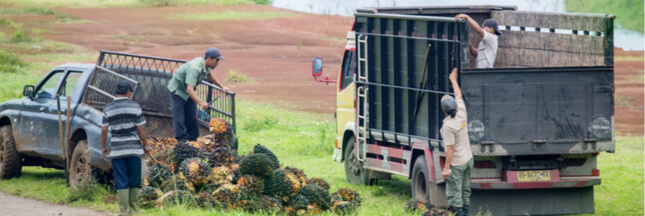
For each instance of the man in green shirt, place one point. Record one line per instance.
(182, 88)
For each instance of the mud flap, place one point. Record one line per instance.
(552, 201)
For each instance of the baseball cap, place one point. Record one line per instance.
(213, 52)
(492, 23)
(448, 103)
(123, 86)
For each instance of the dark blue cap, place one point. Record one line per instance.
(213, 52)
(123, 86)
(492, 23)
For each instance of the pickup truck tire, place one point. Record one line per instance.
(80, 169)
(10, 159)
(354, 170)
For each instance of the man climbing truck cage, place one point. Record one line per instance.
(536, 122)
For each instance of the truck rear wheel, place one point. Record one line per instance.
(423, 188)
(10, 159)
(354, 170)
(420, 184)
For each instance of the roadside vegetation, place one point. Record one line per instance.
(629, 13)
(128, 3)
(234, 15)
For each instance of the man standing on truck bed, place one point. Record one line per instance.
(459, 158)
(184, 99)
(128, 144)
(486, 52)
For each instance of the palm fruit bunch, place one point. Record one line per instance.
(157, 174)
(317, 196)
(345, 201)
(221, 175)
(223, 133)
(183, 151)
(194, 172)
(228, 195)
(148, 196)
(259, 165)
(208, 173)
(415, 205)
(221, 156)
(281, 184)
(252, 184)
(263, 204)
(260, 149)
(302, 177)
(318, 181)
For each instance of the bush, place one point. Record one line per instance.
(20, 36)
(10, 62)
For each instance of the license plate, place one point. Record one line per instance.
(531, 176)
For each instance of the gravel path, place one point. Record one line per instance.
(11, 205)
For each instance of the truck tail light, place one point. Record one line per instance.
(485, 164)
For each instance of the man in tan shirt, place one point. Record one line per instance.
(459, 158)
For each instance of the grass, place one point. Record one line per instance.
(127, 3)
(61, 18)
(629, 13)
(640, 78)
(629, 58)
(237, 77)
(235, 15)
(621, 191)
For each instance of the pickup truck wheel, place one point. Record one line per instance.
(420, 184)
(80, 169)
(10, 159)
(354, 170)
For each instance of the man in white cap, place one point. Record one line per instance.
(184, 99)
(486, 52)
(459, 159)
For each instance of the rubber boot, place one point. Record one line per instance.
(454, 210)
(134, 200)
(464, 210)
(124, 201)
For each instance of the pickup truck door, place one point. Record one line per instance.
(39, 126)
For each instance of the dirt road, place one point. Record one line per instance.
(16, 206)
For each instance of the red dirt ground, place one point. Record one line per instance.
(275, 53)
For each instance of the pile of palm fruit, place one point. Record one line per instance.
(209, 173)
(425, 208)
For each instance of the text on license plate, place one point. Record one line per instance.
(536, 175)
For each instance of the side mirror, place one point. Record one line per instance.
(317, 67)
(28, 91)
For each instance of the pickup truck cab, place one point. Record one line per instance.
(31, 129)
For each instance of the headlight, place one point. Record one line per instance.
(476, 130)
(601, 127)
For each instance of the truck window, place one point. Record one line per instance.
(48, 88)
(349, 69)
(70, 83)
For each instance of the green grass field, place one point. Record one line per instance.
(629, 13)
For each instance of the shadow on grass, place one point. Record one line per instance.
(42, 173)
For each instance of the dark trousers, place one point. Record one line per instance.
(127, 172)
(184, 117)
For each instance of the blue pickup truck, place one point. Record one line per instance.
(31, 131)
